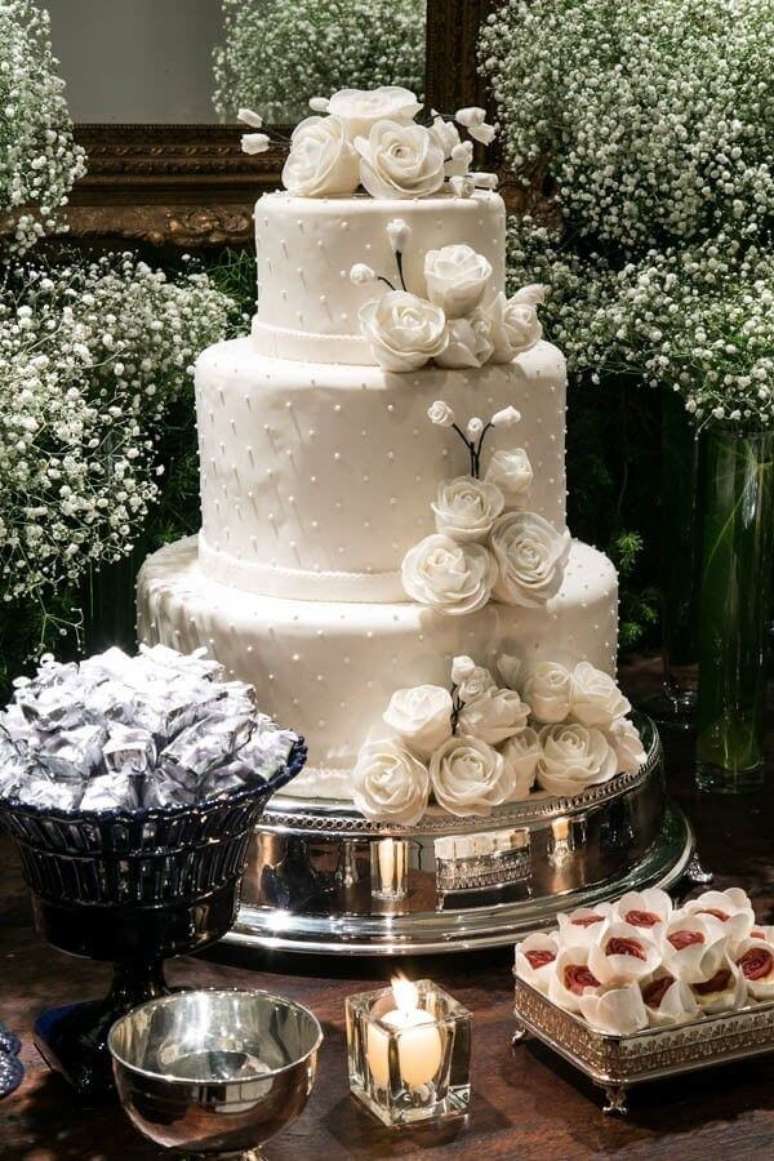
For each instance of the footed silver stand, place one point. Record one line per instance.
(320, 878)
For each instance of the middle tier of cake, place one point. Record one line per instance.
(331, 667)
(318, 478)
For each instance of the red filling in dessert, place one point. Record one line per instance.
(756, 963)
(586, 920)
(718, 983)
(681, 939)
(642, 918)
(721, 915)
(618, 945)
(654, 993)
(539, 959)
(577, 978)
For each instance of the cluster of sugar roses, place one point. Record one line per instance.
(370, 138)
(481, 744)
(460, 320)
(640, 962)
(486, 544)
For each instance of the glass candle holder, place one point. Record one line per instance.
(408, 1052)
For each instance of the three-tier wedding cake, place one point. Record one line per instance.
(384, 552)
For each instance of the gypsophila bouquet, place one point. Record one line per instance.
(275, 52)
(39, 161)
(699, 320)
(652, 118)
(90, 358)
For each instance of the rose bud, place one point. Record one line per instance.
(650, 909)
(248, 117)
(319, 104)
(253, 143)
(506, 418)
(440, 413)
(536, 959)
(584, 926)
(399, 232)
(724, 990)
(360, 274)
(669, 1001)
(572, 978)
(618, 1012)
(755, 959)
(623, 955)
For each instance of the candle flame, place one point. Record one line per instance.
(405, 993)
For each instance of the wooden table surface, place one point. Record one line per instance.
(525, 1105)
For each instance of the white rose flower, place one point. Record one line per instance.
(469, 777)
(361, 275)
(321, 161)
(506, 418)
(360, 109)
(691, 951)
(625, 739)
(584, 926)
(404, 331)
(468, 346)
(253, 143)
(449, 577)
(595, 699)
(460, 161)
(493, 717)
(531, 556)
(573, 758)
(462, 667)
(398, 232)
(445, 134)
(389, 784)
(572, 978)
(726, 990)
(547, 691)
(650, 909)
(512, 472)
(521, 752)
(727, 913)
(755, 959)
(466, 509)
(457, 278)
(399, 161)
(515, 327)
(669, 1001)
(474, 682)
(440, 414)
(421, 717)
(623, 955)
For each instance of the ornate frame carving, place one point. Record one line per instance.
(191, 186)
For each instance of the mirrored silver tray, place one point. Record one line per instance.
(321, 878)
(616, 1063)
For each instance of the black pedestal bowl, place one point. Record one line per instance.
(131, 888)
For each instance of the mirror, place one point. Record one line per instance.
(159, 62)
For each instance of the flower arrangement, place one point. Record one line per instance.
(273, 50)
(640, 962)
(91, 356)
(487, 545)
(39, 160)
(481, 744)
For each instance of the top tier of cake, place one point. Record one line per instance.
(307, 303)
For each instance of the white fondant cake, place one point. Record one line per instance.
(321, 471)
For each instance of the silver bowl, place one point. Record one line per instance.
(215, 1072)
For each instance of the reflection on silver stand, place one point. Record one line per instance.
(321, 878)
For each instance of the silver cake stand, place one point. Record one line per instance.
(322, 879)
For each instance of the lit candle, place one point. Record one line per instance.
(420, 1049)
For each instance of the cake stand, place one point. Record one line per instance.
(321, 878)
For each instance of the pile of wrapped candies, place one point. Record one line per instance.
(118, 732)
(641, 963)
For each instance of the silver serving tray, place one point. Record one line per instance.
(321, 878)
(616, 1063)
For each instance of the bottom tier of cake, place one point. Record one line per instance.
(329, 669)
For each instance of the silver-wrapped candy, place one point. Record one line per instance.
(129, 750)
(208, 742)
(111, 792)
(73, 754)
(47, 794)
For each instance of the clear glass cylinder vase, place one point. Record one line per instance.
(737, 504)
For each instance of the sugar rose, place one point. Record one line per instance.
(421, 717)
(595, 699)
(457, 278)
(449, 577)
(465, 509)
(493, 716)
(321, 162)
(547, 690)
(359, 109)
(573, 758)
(531, 555)
(521, 752)
(469, 777)
(512, 472)
(390, 784)
(400, 161)
(403, 331)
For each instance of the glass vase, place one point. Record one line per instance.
(737, 499)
